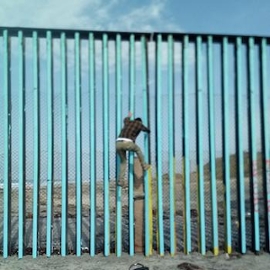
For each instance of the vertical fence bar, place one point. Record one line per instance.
(185, 134)
(7, 147)
(253, 157)
(36, 161)
(212, 156)
(131, 154)
(239, 145)
(78, 144)
(92, 144)
(225, 144)
(265, 139)
(50, 145)
(159, 144)
(106, 147)
(147, 220)
(171, 142)
(150, 204)
(118, 130)
(145, 120)
(64, 114)
(199, 99)
(21, 65)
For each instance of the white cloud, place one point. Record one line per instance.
(31, 13)
(86, 14)
(149, 17)
(115, 15)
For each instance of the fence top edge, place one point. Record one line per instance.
(150, 36)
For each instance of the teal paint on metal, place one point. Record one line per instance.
(92, 144)
(64, 160)
(146, 142)
(36, 160)
(265, 138)
(106, 146)
(226, 152)
(199, 100)
(50, 145)
(171, 142)
(7, 146)
(253, 157)
(131, 154)
(159, 144)
(78, 145)
(118, 130)
(239, 44)
(21, 94)
(186, 155)
(239, 143)
(212, 156)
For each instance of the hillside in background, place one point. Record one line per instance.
(219, 168)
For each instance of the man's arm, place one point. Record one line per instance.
(127, 119)
(144, 128)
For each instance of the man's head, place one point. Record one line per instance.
(138, 119)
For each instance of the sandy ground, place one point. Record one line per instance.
(179, 204)
(208, 262)
(221, 262)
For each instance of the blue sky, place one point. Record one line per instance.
(208, 16)
(222, 17)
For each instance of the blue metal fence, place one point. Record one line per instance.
(205, 99)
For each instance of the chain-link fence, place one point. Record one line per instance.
(227, 73)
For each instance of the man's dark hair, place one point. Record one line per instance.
(138, 119)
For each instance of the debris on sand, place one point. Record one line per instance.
(188, 266)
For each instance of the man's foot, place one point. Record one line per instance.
(146, 167)
(122, 184)
(138, 195)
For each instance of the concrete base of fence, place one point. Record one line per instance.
(138, 206)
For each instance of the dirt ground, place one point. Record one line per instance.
(155, 262)
(208, 262)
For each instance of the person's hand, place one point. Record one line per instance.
(129, 114)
